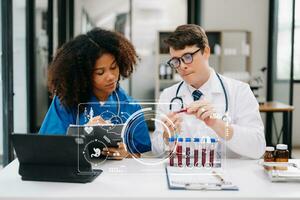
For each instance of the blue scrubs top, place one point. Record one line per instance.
(58, 119)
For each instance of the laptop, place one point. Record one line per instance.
(109, 134)
(53, 158)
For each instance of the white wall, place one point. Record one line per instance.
(149, 17)
(19, 68)
(296, 116)
(251, 15)
(1, 96)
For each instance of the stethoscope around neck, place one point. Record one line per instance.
(118, 109)
(178, 98)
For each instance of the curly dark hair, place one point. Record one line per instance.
(70, 72)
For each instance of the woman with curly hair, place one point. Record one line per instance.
(87, 70)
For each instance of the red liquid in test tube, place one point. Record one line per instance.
(171, 160)
(171, 148)
(203, 146)
(196, 155)
(179, 151)
(203, 157)
(188, 151)
(211, 157)
(212, 151)
(188, 156)
(196, 151)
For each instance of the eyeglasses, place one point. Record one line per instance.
(186, 59)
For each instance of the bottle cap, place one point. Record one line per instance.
(213, 140)
(187, 139)
(196, 139)
(269, 148)
(171, 139)
(180, 139)
(281, 146)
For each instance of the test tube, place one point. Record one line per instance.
(203, 149)
(212, 151)
(179, 151)
(188, 151)
(196, 151)
(171, 148)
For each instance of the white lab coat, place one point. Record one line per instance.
(248, 130)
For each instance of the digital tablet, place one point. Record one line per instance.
(109, 134)
(52, 158)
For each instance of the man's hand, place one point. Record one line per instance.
(205, 111)
(172, 124)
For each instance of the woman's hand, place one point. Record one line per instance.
(96, 120)
(118, 153)
(172, 125)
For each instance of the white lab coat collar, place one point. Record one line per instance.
(212, 85)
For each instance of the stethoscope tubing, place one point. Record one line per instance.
(181, 100)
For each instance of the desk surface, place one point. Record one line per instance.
(137, 181)
(274, 106)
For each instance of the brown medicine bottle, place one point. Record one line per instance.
(269, 155)
(282, 153)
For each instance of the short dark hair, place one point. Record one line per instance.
(187, 35)
(70, 72)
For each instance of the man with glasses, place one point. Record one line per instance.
(200, 102)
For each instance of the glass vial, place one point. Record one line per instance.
(212, 151)
(179, 151)
(196, 151)
(203, 151)
(188, 152)
(171, 151)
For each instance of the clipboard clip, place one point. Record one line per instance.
(205, 187)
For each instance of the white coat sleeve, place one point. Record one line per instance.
(157, 142)
(248, 130)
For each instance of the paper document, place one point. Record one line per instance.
(197, 179)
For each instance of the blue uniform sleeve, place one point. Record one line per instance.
(57, 119)
(137, 136)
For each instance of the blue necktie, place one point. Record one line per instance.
(197, 95)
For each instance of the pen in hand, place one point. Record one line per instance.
(181, 111)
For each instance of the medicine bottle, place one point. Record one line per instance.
(282, 153)
(269, 155)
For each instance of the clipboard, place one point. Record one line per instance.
(197, 179)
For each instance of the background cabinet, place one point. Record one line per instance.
(230, 50)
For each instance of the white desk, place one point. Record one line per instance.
(137, 181)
